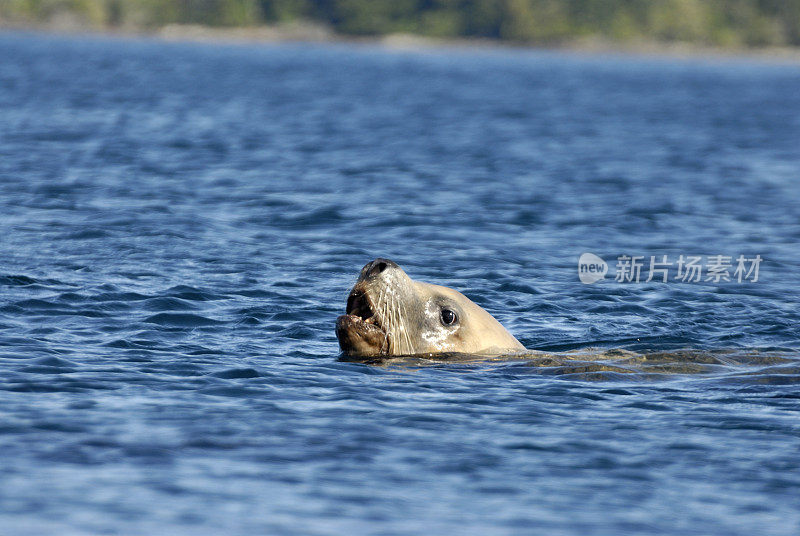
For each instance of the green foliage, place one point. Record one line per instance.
(284, 10)
(708, 22)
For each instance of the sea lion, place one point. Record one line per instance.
(389, 314)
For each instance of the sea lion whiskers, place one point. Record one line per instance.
(382, 307)
(388, 323)
(405, 331)
(391, 310)
(401, 323)
(397, 320)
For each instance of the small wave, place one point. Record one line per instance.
(168, 304)
(181, 320)
(86, 234)
(131, 344)
(236, 392)
(186, 292)
(17, 280)
(71, 297)
(314, 218)
(230, 374)
(50, 365)
(120, 296)
(35, 304)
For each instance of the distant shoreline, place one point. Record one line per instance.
(318, 34)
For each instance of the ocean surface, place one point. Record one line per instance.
(180, 225)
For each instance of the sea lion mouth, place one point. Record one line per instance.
(358, 304)
(360, 330)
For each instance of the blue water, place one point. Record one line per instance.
(180, 225)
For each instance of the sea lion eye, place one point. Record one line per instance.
(449, 317)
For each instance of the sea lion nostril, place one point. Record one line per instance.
(378, 266)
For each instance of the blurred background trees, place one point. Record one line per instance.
(703, 22)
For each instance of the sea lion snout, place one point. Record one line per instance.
(377, 267)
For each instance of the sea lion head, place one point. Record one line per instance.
(389, 314)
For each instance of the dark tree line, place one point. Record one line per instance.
(709, 22)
